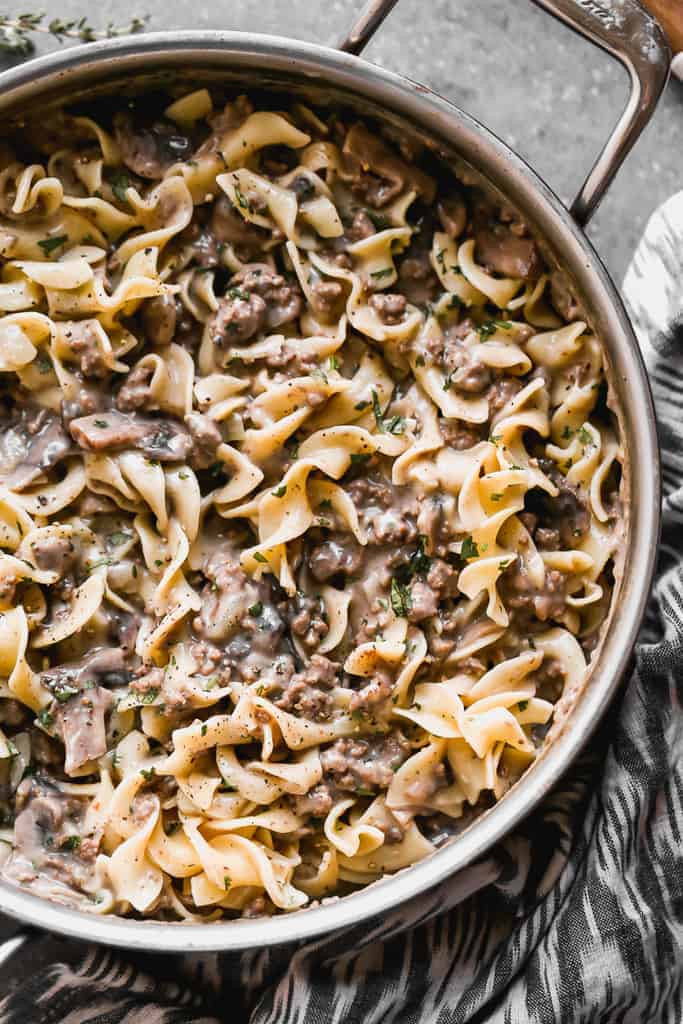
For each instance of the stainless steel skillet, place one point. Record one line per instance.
(621, 28)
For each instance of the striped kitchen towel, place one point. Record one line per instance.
(576, 918)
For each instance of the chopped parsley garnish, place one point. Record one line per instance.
(102, 424)
(150, 695)
(280, 491)
(63, 691)
(401, 601)
(148, 773)
(71, 843)
(485, 330)
(359, 457)
(447, 381)
(258, 557)
(256, 609)
(469, 549)
(238, 293)
(567, 433)
(44, 363)
(384, 272)
(227, 882)
(364, 792)
(523, 705)
(119, 183)
(362, 405)
(48, 245)
(203, 729)
(45, 718)
(585, 437)
(242, 200)
(333, 363)
(394, 425)
(455, 302)
(496, 497)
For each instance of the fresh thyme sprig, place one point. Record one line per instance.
(15, 33)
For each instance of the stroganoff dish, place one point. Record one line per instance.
(309, 501)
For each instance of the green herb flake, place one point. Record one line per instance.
(384, 272)
(496, 497)
(394, 425)
(485, 330)
(44, 718)
(364, 792)
(48, 245)
(357, 458)
(362, 405)
(469, 549)
(242, 200)
(567, 433)
(256, 609)
(280, 491)
(150, 695)
(227, 882)
(523, 705)
(119, 183)
(238, 293)
(258, 557)
(118, 538)
(401, 601)
(148, 773)
(203, 729)
(585, 436)
(333, 363)
(71, 843)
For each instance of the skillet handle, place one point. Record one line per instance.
(365, 26)
(622, 28)
(631, 35)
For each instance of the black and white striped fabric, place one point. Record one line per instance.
(576, 918)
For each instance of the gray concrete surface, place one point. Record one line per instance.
(545, 91)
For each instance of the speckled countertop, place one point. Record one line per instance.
(545, 91)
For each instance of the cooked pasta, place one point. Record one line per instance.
(309, 506)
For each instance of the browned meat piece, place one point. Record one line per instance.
(464, 371)
(376, 173)
(361, 227)
(317, 802)
(423, 601)
(282, 298)
(240, 315)
(562, 519)
(306, 620)
(375, 692)
(230, 597)
(420, 790)
(328, 298)
(393, 527)
(210, 661)
(149, 149)
(547, 538)
(417, 280)
(461, 435)
(550, 678)
(500, 393)
(31, 445)
(46, 752)
(368, 491)
(307, 692)
(339, 554)
(80, 721)
(164, 440)
(135, 391)
(83, 340)
(54, 554)
(443, 579)
(159, 319)
(502, 250)
(453, 215)
(365, 764)
(519, 594)
(390, 308)
(85, 402)
(228, 226)
(205, 440)
(204, 247)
